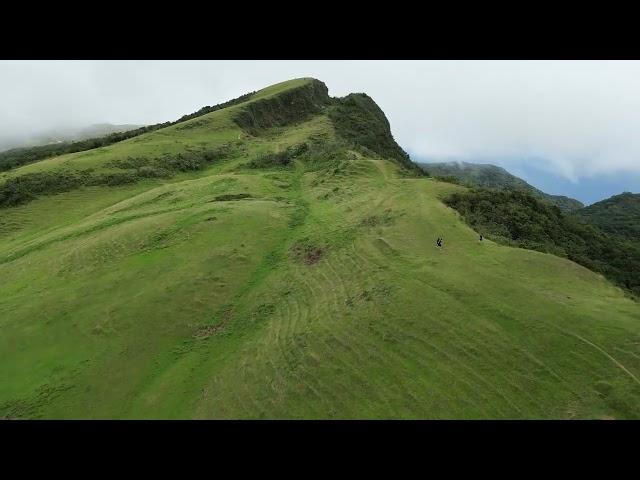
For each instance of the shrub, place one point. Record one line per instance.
(26, 187)
(278, 159)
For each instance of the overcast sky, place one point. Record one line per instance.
(579, 119)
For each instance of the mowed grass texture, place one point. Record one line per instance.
(307, 290)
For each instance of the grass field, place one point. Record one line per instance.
(293, 292)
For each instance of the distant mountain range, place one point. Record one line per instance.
(61, 135)
(492, 176)
(618, 215)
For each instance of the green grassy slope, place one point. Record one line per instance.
(308, 290)
(491, 176)
(515, 218)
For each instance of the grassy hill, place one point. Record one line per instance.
(517, 218)
(618, 215)
(491, 176)
(17, 157)
(275, 259)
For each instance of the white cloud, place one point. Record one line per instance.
(583, 117)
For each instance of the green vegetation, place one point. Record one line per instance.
(359, 121)
(28, 187)
(278, 159)
(490, 176)
(306, 284)
(618, 215)
(290, 106)
(517, 218)
(21, 156)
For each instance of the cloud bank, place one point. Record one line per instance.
(577, 119)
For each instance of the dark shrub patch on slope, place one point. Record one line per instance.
(166, 165)
(228, 197)
(286, 108)
(278, 159)
(359, 121)
(307, 252)
(323, 155)
(451, 179)
(385, 218)
(27, 187)
(518, 219)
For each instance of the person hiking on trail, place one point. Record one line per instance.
(438, 242)
(480, 237)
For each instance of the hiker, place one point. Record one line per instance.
(438, 242)
(480, 237)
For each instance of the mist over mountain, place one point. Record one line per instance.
(542, 174)
(59, 134)
(588, 190)
(491, 176)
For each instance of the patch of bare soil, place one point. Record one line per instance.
(206, 331)
(307, 253)
(231, 196)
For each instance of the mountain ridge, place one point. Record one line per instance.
(357, 122)
(493, 176)
(286, 268)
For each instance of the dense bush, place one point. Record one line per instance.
(359, 121)
(323, 155)
(453, 180)
(278, 159)
(517, 218)
(289, 107)
(27, 187)
(271, 160)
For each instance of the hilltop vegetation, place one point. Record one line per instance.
(493, 177)
(359, 121)
(618, 215)
(292, 275)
